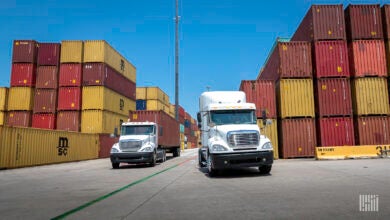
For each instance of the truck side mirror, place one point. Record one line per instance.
(264, 116)
(198, 117)
(115, 134)
(199, 126)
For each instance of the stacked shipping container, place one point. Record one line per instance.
(69, 93)
(3, 104)
(369, 70)
(46, 88)
(23, 77)
(108, 91)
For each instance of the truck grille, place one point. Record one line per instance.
(130, 145)
(243, 138)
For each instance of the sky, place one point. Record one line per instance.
(221, 42)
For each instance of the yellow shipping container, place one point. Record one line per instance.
(295, 98)
(140, 93)
(2, 117)
(102, 98)
(101, 51)
(158, 94)
(20, 98)
(3, 98)
(156, 105)
(172, 109)
(21, 147)
(370, 96)
(72, 51)
(98, 121)
(271, 131)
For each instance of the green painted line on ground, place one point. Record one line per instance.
(64, 215)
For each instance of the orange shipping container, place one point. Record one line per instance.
(297, 137)
(367, 58)
(47, 77)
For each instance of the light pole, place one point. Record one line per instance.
(177, 61)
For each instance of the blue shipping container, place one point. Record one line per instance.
(140, 104)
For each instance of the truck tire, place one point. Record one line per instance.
(265, 169)
(200, 158)
(115, 165)
(154, 159)
(176, 152)
(212, 171)
(164, 156)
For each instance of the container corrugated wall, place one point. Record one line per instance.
(295, 98)
(68, 120)
(368, 58)
(23, 74)
(2, 117)
(45, 101)
(271, 131)
(70, 74)
(364, 22)
(19, 118)
(98, 121)
(44, 121)
(69, 98)
(101, 51)
(3, 98)
(152, 93)
(386, 20)
(20, 98)
(338, 131)
(72, 51)
(373, 130)
(24, 51)
(102, 98)
(49, 54)
(289, 60)
(297, 137)
(100, 74)
(21, 147)
(322, 22)
(140, 93)
(333, 97)
(47, 77)
(105, 144)
(331, 59)
(262, 93)
(156, 105)
(370, 96)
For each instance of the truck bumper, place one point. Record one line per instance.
(247, 159)
(135, 157)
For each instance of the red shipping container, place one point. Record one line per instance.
(386, 21)
(45, 101)
(24, 51)
(182, 112)
(262, 94)
(47, 77)
(373, 130)
(333, 97)
(100, 74)
(169, 128)
(44, 121)
(68, 120)
(23, 74)
(19, 118)
(70, 74)
(298, 137)
(322, 22)
(335, 131)
(69, 98)
(106, 143)
(288, 60)
(331, 59)
(49, 54)
(368, 58)
(364, 22)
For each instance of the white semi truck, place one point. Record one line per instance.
(230, 136)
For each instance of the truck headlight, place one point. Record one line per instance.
(147, 149)
(217, 147)
(267, 146)
(114, 150)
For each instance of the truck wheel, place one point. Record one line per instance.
(200, 158)
(176, 152)
(154, 159)
(212, 171)
(265, 169)
(115, 165)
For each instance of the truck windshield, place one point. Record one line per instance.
(137, 130)
(223, 117)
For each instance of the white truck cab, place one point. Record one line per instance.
(230, 136)
(138, 143)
